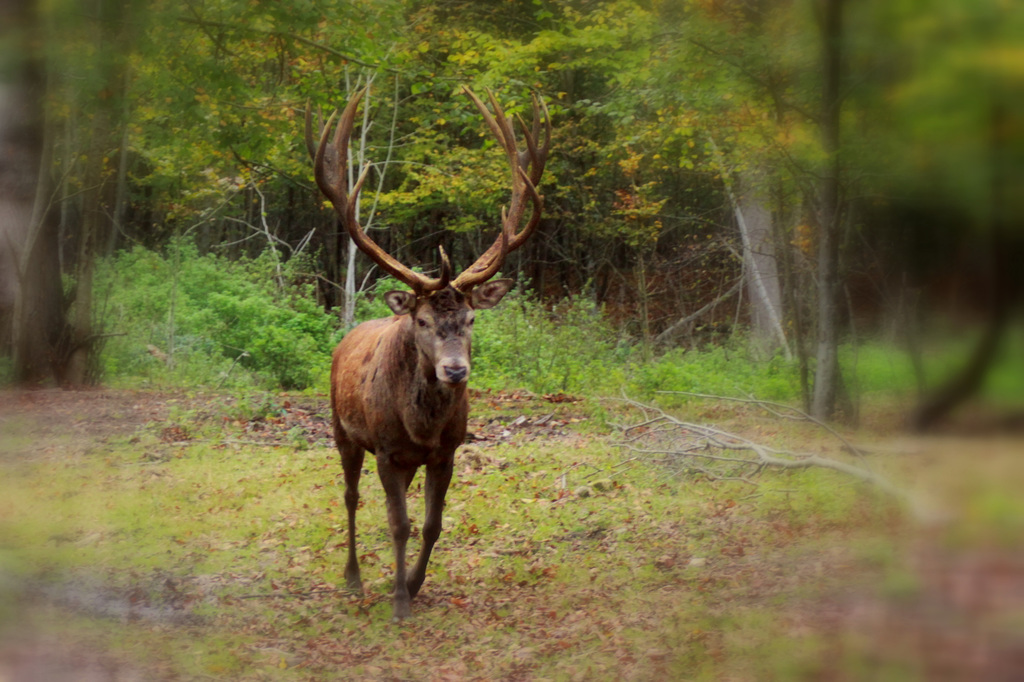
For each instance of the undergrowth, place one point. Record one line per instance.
(181, 319)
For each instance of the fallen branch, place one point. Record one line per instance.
(674, 438)
(774, 408)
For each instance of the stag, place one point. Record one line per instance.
(398, 384)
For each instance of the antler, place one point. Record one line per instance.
(527, 167)
(330, 167)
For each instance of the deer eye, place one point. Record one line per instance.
(421, 322)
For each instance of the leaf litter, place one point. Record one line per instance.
(644, 577)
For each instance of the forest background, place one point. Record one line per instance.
(802, 200)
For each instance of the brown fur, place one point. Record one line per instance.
(392, 394)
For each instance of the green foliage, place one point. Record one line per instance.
(729, 370)
(878, 368)
(573, 348)
(190, 320)
(207, 99)
(522, 344)
(193, 319)
(370, 304)
(1006, 382)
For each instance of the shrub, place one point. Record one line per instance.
(526, 344)
(523, 344)
(571, 347)
(207, 314)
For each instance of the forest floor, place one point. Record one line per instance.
(172, 535)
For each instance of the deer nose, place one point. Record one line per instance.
(456, 374)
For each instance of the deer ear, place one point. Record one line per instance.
(488, 295)
(400, 302)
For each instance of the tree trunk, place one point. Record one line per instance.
(80, 358)
(348, 317)
(31, 308)
(1006, 286)
(826, 376)
(968, 380)
(755, 223)
(120, 193)
(36, 319)
(644, 296)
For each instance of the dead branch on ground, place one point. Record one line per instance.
(722, 455)
(777, 410)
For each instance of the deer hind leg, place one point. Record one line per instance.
(352, 464)
(438, 479)
(395, 482)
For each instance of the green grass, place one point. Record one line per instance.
(222, 556)
(648, 574)
(881, 369)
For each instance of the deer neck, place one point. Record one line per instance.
(428, 404)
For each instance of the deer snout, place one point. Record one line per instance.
(455, 373)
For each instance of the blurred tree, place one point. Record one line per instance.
(70, 70)
(759, 87)
(944, 152)
(829, 211)
(31, 301)
(89, 77)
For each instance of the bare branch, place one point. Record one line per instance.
(681, 323)
(767, 405)
(711, 444)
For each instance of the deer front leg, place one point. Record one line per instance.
(438, 478)
(395, 483)
(352, 463)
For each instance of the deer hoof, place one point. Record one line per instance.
(401, 612)
(354, 584)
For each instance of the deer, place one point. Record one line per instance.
(398, 386)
